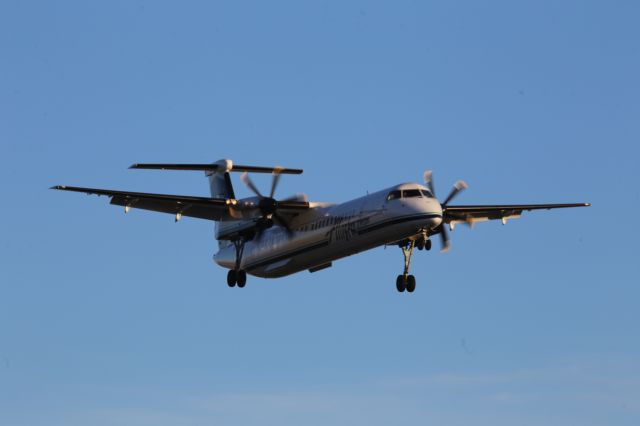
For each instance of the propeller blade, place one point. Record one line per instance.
(274, 181)
(247, 181)
(284, 224)
(428, 180)
(459, 186)
(444, 238)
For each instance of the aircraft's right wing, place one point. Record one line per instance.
(200, 207)
(184, 205)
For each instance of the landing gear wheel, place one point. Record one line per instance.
(427, 245)
(236, 275)
(231, 278)
(241, 277)
(400, 284)
(411, 283)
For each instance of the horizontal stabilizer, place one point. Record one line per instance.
(216, 167)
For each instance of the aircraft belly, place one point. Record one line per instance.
(306, 254)
(225, 257)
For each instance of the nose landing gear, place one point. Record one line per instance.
(406, 281)
(423, 243)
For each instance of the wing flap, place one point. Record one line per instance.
(164, 206)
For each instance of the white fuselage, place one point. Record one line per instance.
(332, 231)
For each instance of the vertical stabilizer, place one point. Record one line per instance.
(220, 183)
(219, 180)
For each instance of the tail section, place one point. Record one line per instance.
(219, 179)
(220, 185)
(218, 174)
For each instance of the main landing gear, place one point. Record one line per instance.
(406, 281)
(237, 275)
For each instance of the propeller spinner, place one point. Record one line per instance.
(268, 206)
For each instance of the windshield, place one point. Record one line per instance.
(410, 193)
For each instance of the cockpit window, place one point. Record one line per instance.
(426, 193)
(393, 195)
(410, 193)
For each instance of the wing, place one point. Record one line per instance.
(471, 214)
(200, 207)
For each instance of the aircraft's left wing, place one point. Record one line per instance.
(480, 213)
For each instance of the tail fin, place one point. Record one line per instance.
(219, 180)
(220, 185)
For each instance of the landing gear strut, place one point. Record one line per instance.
(237, 275)
(406, 281)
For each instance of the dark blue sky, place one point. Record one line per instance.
(112, 319)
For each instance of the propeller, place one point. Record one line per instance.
(457, 187)
(268, 206)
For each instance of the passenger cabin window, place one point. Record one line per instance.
(394, 195)
(410, 193)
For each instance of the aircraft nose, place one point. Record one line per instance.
(435, 209)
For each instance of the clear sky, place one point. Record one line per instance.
(107, 319)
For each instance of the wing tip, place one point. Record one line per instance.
(58, 187)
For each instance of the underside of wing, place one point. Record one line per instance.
(199, 207)
(185, 205)
(480, 213)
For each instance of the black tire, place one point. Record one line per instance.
(427, 245)
(231, 278)
(400, 284)
(411, 283)
(241, 278)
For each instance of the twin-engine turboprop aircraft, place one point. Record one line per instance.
(271, 238)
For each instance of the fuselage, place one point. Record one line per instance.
(329, 232)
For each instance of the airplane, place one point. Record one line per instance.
(266, 237)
